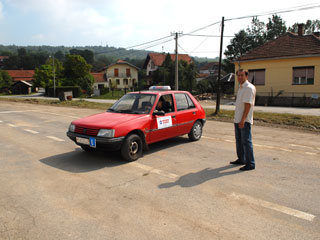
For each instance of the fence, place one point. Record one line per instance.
(288, 99)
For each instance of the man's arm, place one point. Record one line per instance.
(247, 107)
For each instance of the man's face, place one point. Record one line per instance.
(241, 77)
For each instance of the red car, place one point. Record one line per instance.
(138, 119)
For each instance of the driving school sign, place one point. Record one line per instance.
(164, 122)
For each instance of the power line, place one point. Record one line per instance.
(275, 12)
(127, 48)
(198, 35)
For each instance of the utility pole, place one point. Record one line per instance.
(54, 78)
(177, 62)
(219, 71)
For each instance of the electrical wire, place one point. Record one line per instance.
(275, 12)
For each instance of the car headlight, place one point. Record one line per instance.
(106, 133)
(72, 127)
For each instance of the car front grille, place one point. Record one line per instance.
(87, 131)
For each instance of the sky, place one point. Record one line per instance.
(126, 23)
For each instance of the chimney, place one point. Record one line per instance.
(300, 29)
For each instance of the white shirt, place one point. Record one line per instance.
(246, 94)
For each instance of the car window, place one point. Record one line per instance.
(183, 101)
(167, 106)
(134, 103)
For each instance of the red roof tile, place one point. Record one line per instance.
(209, 65)
(158, 58)
(98, 77)
(18, 75)
(288, 45)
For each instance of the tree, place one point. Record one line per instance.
(44, 74)
(86, 54)
(309, 27)
(275, 27)
(77, 73)
(5, 80)
(254, 36)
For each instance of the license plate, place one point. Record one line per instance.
(92, 142)
(83, 140)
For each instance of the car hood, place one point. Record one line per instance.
(106, 120)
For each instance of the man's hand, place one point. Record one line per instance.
(247, 107)
(241, 124)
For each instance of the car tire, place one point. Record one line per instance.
(131, 148)
(196, 131)
(87, 149)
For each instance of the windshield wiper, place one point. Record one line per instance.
(111, 110)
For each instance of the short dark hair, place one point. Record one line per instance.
(242, 70)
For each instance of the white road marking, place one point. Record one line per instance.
(295, 145)
(265, 146)
(11, 125)
(17, 111)
(273, 206)
(154, 170)
(55, 138)
(40, 112)
(311, 153)
(30, 131)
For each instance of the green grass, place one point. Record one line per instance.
(310, 123)
(116, 95)
(286, 120)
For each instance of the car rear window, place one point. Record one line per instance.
(183, 101)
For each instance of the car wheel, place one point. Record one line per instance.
(87, 149)
(131, 149)
(196, 131)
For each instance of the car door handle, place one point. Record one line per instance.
(173, 116)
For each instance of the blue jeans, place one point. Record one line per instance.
(244, 144)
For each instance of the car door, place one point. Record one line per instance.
(186, 112)
(164, 127)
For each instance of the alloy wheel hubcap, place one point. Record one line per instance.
(134, 147)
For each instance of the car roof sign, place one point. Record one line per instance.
(160, 88)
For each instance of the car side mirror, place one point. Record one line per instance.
(158, 113)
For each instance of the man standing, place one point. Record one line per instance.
(243, 119)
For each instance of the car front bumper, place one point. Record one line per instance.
(102, 143)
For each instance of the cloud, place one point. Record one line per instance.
(1, 10)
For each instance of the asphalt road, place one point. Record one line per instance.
(51, 189)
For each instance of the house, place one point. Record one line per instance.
(155, 60)
(210, 68)
(227, 83)
(286, 70)
(21, 75)
(118, 75)
(21, 87)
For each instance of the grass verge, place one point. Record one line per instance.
(310, 123)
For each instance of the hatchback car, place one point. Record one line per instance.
(138, 119)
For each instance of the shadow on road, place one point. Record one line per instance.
(79, 161)
(194, 179)
(168, 143)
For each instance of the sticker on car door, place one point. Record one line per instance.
(164, 122)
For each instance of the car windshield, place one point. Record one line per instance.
(135, 103)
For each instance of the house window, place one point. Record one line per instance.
(116, 72)
(118, 81)
(101, 86)
(125, 81)
(303, 76)
(128, 72)
(257, 76)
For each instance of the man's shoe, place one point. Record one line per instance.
(247, 168)
(237, 162)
